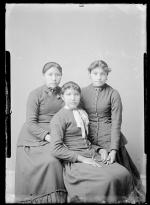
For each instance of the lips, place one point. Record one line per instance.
(98, 82)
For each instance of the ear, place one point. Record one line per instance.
(107, 76)
(89, 74)
(62, 97)
(44, 79)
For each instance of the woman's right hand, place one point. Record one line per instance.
(104, 155)
(88, 161)
(48, 138)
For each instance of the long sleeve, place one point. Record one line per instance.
(116, 118)
(32, 117)
(59, 149)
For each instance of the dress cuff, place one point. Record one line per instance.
(44, 135)
(114, 147)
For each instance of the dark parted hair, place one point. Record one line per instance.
(70, 85)
(99, 63)
(49, 65)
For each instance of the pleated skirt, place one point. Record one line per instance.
(38, 176)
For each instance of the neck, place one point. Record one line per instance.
(99, 86)
(68, 108)
(52, 87)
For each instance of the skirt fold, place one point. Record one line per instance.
(38, 176)
(138, 193)
(86, 183)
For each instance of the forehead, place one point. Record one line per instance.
(98, 69)
(71, 90)
(52, 70)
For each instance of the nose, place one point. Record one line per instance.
(99, 77)
(53, 77)
(72, 97)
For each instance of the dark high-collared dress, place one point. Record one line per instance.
(84, 182)
(38, 175)
(104, 107)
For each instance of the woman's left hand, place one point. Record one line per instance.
(111, 157)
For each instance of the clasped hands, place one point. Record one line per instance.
(107, 158)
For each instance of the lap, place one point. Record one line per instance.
(97, 183)
(29, 157)
(114, 170)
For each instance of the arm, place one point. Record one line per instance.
(32, 117)
(116, 117)
(59, 149)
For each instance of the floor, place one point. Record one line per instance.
(10, 182)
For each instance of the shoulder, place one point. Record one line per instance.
(61, 118)
(36, 93)
(86, 90)
(113, 92)
(60, 115)
(37, 90)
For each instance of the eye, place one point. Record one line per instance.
(103, 74)
(50, 74)
(95, 73)
(58, 74)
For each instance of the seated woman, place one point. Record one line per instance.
(104, 108)
(86, 177)
(38, 175)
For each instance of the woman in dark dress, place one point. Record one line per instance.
(104, 108)
(86, 177)
(38, 175)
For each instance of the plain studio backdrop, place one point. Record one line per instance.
(74, 35)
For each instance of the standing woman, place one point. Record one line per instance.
(104, 107)
(38, 175)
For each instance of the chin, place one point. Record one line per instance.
(53, 85)
(98, 84)
(73, 107)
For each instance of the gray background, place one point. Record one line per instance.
(75, 36)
